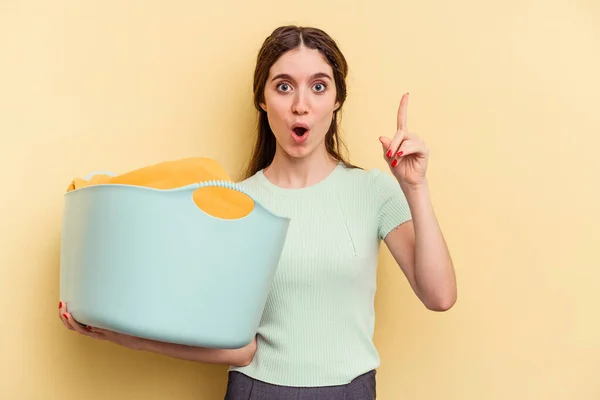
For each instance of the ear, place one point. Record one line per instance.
(336, 106)
(263, 106)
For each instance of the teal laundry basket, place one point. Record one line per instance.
(150, 263)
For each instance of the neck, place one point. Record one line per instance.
(296, 173)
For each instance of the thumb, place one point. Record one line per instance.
(385, 143)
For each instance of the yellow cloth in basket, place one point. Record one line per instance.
(217, 201)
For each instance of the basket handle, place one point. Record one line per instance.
(242, 208)
(224, 184)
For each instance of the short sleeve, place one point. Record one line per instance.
(392, 206)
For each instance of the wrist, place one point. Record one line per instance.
(142, 344)
(415, 188)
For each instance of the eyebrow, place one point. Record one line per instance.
(289, 77)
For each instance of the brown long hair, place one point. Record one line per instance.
(282, 40)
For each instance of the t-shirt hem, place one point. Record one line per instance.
(298, 383)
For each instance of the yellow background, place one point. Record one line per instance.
(504, 93)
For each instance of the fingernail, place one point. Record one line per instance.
(65, 315)
(60, 304)
(389, 153)
(89, 328)
(400, 153)
(394, 163)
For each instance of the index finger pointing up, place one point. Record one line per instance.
(402, 112)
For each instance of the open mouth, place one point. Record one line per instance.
(300, 131)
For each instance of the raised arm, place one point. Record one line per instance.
(418, 246)
(420, 250)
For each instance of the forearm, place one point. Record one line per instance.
(434, 272)
(234, 357)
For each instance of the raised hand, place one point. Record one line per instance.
(406, 154)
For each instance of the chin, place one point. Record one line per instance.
(301, 150)
(297, 153)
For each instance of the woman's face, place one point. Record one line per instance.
(300, 99)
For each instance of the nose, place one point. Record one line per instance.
(300, 105)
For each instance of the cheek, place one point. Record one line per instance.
(325, 104)
(276, 117)
(273, 103)
(277, 114)
(326, 112)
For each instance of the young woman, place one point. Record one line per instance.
(315, 337)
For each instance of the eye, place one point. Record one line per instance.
(320, 87)
(283, 87)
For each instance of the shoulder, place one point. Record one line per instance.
(249, 183)
(255, 186)
(374, 180)
(377, 187)
(386, 197)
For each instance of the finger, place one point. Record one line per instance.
(62, 309)
(402, 113)
(104, 331)
(79, 328)
(99, 331)
(411, 147)
(68, 319)
(76, 326)
(397, 141)
(385, 145)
